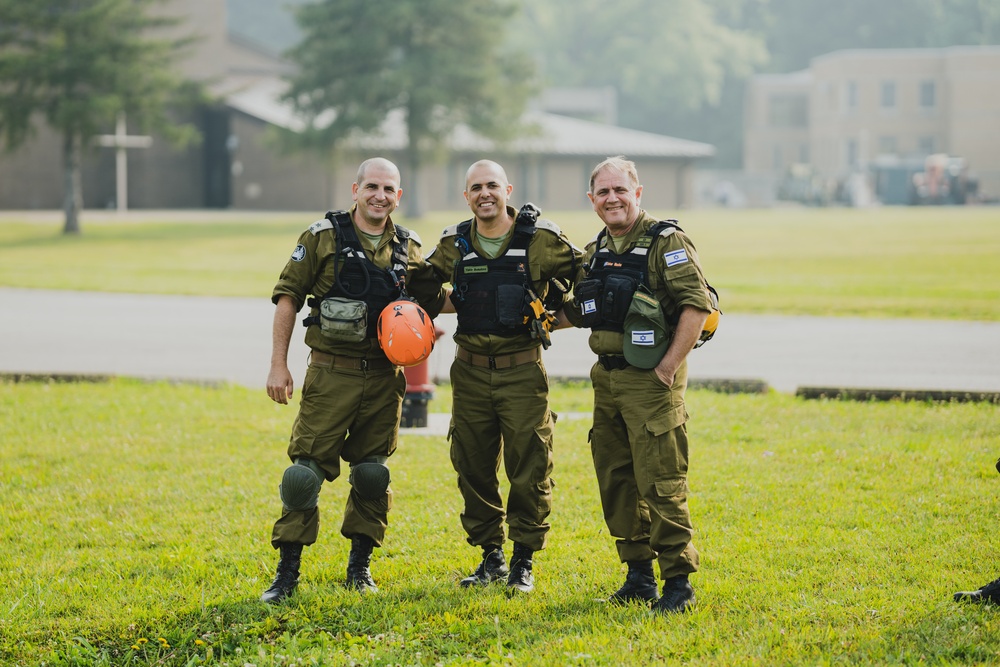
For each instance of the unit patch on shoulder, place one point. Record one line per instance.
(676, 257)
(299, 253)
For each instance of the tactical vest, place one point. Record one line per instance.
(357, 277)
(612, 279)
(491, 295)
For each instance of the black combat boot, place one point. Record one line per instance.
(520, 578)
(358, 574)
(988, 594)
(640, 584)
(678, 596)
(287, 577)
(493, 567)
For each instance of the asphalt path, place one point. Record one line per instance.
(229, 339)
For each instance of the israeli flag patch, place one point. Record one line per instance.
(589, 306)
(299, 253)
(646, 338)
(676, 257)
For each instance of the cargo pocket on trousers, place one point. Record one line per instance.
(668, 444)
(671, 488)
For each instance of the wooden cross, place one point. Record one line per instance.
(120, 140)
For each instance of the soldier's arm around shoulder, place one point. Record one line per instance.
(565, 257)
(422, 282)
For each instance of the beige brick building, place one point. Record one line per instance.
(856, 110)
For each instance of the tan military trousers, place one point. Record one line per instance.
(351, 415)
(640, 449)
(503, 414)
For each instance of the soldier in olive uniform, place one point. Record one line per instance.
(500, 411)
(639, 439)
(346, 267)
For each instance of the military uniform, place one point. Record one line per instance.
(500, 389)
(352, 395)
(639, 439)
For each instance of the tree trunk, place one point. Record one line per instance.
(73, 200)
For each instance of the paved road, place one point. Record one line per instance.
(210, 338)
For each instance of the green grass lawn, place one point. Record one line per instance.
(930, 262)
(135, 523)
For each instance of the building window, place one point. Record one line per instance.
(888, 97)
(851, 153)
(928, 95)
(785, 110)
(925, 146)
(887, 146)
(851, 96)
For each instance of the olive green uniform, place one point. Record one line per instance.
(639, 441)
(351, 401)
(503, 412)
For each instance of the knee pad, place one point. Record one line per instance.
(299, 488)
(370, 477)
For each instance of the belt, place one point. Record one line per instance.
(324, 360)
(498, 362)
(612, 362)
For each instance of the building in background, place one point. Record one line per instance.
(239, 164)
(885, 123)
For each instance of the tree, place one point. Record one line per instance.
(657, 54)
(440, 62)
(77, 64)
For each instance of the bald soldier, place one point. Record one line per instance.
(499, 263)
(645, 299)
(346, 268)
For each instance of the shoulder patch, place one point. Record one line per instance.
(450, 231)
(548, 225)
(319, 226)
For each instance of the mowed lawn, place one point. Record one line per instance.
(136, 517)
(930, 262)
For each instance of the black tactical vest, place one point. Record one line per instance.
(491, 295)
(356, 277)
(612, 279)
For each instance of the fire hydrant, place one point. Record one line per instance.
(419, 391)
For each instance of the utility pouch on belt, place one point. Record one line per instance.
(343, 319)
(510, 305)
(647, 335)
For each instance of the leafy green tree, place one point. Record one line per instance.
(438, 62)
(77, 64)
(667, 53)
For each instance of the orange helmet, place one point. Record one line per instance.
(406, 333)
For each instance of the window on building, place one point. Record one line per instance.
(851, 96)
(787, 110)
(888, 97)
(925, 146)
(928, 95)
(851, 152)
(887, 145)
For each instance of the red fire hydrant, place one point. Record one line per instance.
(419, 391)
